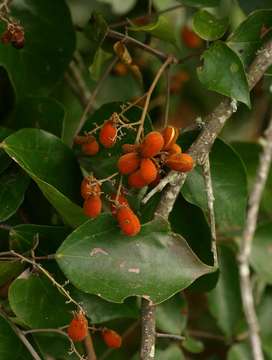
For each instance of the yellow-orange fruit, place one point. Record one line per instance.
(121, 201)
(128, 163)
(120, 69)
(180, 162)
(108, 134)
(148, 170)
(152, 144)
(170, 135)
(89, 187)
(174, 149)
(128, 221)
(127, 148)
(135, 180)
(112, 339)
(78, 328)
(92, 206)
(90, 148)
(190, 38)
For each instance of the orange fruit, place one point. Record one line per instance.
(152, 144)
(128, 163)
(128, 221)
(148, 170)
(180, 162)
(92, 206)
(78, 328)
(112, 338)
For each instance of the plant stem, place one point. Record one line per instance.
(170, 336)
(88, 342)
(148, 330)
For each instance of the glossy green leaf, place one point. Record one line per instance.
(251, 34)
(39, 112)
(171, 315)
(161, 28)
(49, 46)
(208, 27)
(36, 301)
(229, 185)
(260, 257)
(173, 352)
(9, 341)
(231, 82)
(9, 270)
(23, 237)
(98, 259)
(240, 351)
(52, 165)
(200, 3)
(225, 300)
(192, 345)
(13, 184)
(5, 160)
(99, 310)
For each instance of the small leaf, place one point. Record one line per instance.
(13, 184)
(99, 260)
(161, 28)
(232, 81)
(36, 301)
(52, 165)
(208, 27)
(193, 345)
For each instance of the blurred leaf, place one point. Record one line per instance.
(249, 6)
(251, 35)
(9, 340)
(225, 299)
(100, 59)
(231, 82)
(52, 165)
(99, 310)
(265, 318)
(193, 345)
(36, 301)
(208, 27)
(161, 28)
(13, 184)
(9, 270)
(200, 3)
(49, 46)
(240, 351)
(98, 259)
(5, 160)
(120, 7)
(173, 352)
(260, 256)
(229, 184)
(171, 315)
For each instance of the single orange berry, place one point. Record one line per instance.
(90, 148)
(108, 134)
(148, 170)
(128, 221)
(156, 181)
(78, 328)
(112, 339)
(170, 135)
(92, 206)
(127, 148)
(18, 38)
(174, 149)
(120, 69)
(121, 201)
(152, 144)
(180, 162)
(89, 186)
(128, 163)
(135, 180)
(190, 38)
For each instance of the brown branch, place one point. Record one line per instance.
(170, 336)
(148, 330)
(246, 243)
(88, 342)
(78, 84)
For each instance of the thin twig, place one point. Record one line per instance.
(92, 98)
(82, 88)
(206, 170)
(5, 227)
(88, 342)
(170, 336)
(167, 98)
(206, 335)
(246, 244)
(148, 330)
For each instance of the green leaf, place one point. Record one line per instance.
(173, 352)
(265, 318)
(171, 315)
(225, 300)
(260, 257)
(36, 301)
(5, 160)
(9, 341)
(13, 184)
(161, 29)
(208, 27)
(231, 82)
(9, 270)
(99, 260)
(240, 351)
(49, 46)
(251, 34)
(99, 310)
(229, 185)
(39, 112)
(201, 3)
(52, 165)
(193, 345)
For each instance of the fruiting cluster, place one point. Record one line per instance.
(78, 330)
(144, 163)
(14, 34)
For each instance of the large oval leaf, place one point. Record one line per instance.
(35, 301)
(52, 165)
(232, 81)
(156, 263)
(229, 185)
(49, 46)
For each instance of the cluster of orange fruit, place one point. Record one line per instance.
(14, 34)
(78, 330)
